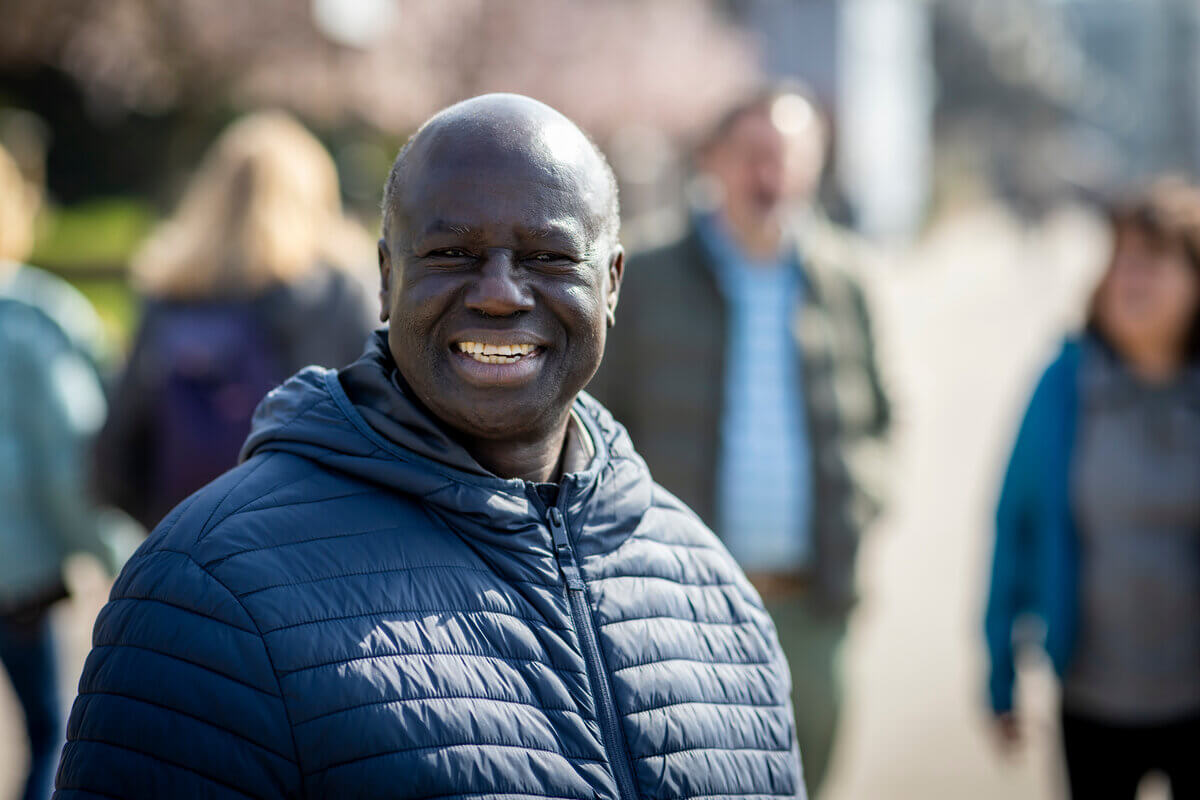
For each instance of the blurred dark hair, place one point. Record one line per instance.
(1168, 210)
(757, 101)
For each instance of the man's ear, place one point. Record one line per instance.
(616, 273)
(385, 280)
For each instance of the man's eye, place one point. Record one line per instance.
(549, 258)
(450, 252)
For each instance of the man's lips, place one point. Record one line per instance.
(496, 358)
(497, 353)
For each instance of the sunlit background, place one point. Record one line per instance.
(971, 140)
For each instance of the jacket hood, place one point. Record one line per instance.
(379, 433)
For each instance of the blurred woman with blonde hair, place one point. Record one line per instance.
(253, 278)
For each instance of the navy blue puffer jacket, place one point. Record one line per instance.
(348, 614)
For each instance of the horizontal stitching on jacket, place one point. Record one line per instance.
(208, 565)
(280, 485)
(410, 610)
(207, 722)
(243, 509)
(145, 599)
(738, 796)
(669, 580)
(91, 791)
(204, 529)
(451, 745)
(356, 573)
(499, 794)
(539, 584)
(270, 662)
(340, 661)
(776, 706)
(436, 698)
(731, 624)
(716, 749)
(688, 545)
(160, 760)
(229, 678)
(693, 661)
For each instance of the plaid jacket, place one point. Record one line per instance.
(663, 378)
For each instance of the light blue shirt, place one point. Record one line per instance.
(764, 478)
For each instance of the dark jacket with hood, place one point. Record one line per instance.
(360, 610)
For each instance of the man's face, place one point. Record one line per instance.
(497, 280)
(769, 157)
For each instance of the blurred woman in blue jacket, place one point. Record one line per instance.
(1098, 524)
(51, 403)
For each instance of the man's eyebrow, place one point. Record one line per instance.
(445, 226)
(551, 232)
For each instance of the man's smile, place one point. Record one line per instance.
(506, 359)
(497, 353)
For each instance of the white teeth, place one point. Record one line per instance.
(496, 353)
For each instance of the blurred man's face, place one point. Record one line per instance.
(770, 158)
(497, 281)
(1151, 292)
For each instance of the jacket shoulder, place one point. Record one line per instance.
(179, 695)
(227, 516)
(669, 523)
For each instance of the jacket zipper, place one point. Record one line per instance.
(606, 709)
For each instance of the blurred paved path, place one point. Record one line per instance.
(968, 318)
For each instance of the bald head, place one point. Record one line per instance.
(496, 128)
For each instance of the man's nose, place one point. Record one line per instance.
(498, 290)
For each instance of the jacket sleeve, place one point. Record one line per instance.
(1013, 554)
(869, 452)
(178, 697)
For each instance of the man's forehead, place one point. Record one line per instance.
(466, 184)
(557, 229)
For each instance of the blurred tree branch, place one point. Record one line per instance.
(667, 63)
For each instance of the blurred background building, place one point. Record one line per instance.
(968, 136)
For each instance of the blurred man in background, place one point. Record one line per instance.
(744, 369)
(51, 402)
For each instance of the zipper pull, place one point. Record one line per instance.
(562, 550)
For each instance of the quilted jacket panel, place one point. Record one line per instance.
(342, 616)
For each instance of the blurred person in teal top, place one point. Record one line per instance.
(51, 402)
(1098, 524)
(744, 367)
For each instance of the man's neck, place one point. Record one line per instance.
(538, 460)
(758, 238)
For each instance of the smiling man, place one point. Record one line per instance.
(443, 571)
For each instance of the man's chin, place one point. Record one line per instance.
(498, 419)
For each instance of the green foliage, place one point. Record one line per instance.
(97, 235)
(116, 303)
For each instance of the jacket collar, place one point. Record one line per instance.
(313, 416)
